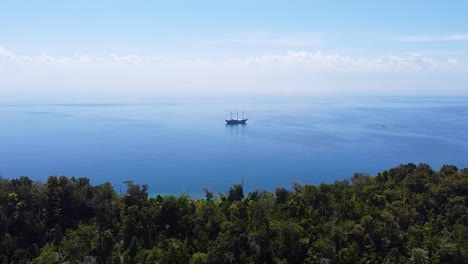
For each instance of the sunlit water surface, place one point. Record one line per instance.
(183, 146)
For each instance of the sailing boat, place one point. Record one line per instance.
(237, 121)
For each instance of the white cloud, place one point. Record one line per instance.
(291, 72)
(288, 41)
(321, 62)
(6, 55)
(268, 40)
(435, 38)
(294, 60)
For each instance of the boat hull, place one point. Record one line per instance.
(236, 121)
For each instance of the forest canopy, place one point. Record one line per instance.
(407, 214)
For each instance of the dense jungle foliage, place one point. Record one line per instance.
(408, 214)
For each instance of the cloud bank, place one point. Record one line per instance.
(293, 72)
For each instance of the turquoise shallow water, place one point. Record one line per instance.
(182, 146)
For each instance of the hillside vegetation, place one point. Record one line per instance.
(407, 214)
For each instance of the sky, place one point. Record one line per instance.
(103, 49)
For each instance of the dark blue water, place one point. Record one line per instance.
(183, 145)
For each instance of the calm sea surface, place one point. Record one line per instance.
(183, 146)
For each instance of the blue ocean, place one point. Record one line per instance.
(182, 145)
